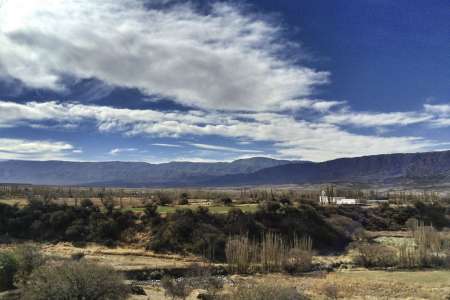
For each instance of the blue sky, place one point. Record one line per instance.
(162, 80)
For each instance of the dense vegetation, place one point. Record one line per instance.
(201, 232)
(389, 217)
(41, 220)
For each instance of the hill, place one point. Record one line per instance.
(387, 169)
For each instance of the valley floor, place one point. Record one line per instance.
(350, 283)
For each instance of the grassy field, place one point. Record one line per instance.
(129, 205)
(215, 209)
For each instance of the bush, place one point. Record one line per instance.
(201, 277)
(190, 231)
(331, 291)
(176, 288)
(29, 258)
(374, 255)
(297, 261)
(226, 201)
(75, 280)
(8, 269)
(266, 292)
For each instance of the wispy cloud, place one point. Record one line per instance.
(167, 145)
(122, 150)
(223, 148)
(374, 119)
(441, 109)
(34, 149)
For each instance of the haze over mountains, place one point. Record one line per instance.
(390, 169)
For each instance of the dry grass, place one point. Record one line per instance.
(364, 284)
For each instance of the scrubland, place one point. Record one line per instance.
(219, 245)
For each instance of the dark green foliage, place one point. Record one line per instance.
(385, 217)
(205, 234)
(8, 269)
(226, 201)
(184, 199)
(198, 232)
(40, 220)
(304, 220)
(75, 280)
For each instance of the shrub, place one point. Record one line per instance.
(226, 201)
(77, 256)
(8, 269)
(29, 258)
(374, 255)
(75, 280)
(331, 291)
(190, 231)
(184, 199)
(266, 292)
(176, 288)
(297, 261)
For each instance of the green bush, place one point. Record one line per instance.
(75, 280)
(8, 269)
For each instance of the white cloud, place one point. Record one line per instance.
(372, 119)
(443, 114)
(167, 145)
(223, 148)
(225, 59)
(122, 150)
(439, 109)
(292, 138)
(301, 104)
(33, 149)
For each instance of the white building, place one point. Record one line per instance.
(325, 200)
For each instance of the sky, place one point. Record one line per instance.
(166, 80)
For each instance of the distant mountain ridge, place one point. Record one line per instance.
(116, 173)
(410, 168)
(387, 169)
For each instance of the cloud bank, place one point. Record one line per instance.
(224, 60)
(293, 138)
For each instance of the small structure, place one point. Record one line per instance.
(324, 199)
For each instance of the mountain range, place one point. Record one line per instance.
(430, 168)
(127, 174)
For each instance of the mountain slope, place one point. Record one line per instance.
(389, 169)
(383, 169)
(125, 173)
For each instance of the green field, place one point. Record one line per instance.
(215, 209)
